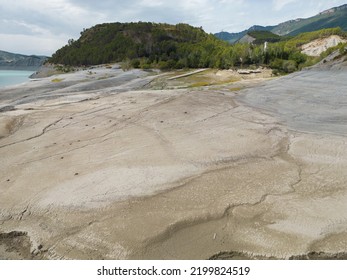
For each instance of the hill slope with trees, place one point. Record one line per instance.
(145, 44)
(164, 46)
(260, 37)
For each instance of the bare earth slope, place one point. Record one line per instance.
(100, 165)
(316, 47)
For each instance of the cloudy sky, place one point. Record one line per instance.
(43, 26)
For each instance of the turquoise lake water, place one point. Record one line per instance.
(12, 77)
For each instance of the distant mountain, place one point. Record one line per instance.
(260, 37)
(12, 61)
(334, 17)
(234, 37)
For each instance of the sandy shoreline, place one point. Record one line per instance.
(106, 164)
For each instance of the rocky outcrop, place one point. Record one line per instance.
(246, 39)
(316, 47)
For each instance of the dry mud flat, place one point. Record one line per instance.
(98, 164)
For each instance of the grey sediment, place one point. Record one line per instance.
(100, 165)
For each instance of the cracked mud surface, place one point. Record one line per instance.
(101, 166)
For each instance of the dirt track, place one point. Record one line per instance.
(100, 165)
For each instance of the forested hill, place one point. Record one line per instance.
(144, 44)
(164, 46)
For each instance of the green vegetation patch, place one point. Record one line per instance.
(200, 84)
(57, 80)
(236, 89)
(264, 36)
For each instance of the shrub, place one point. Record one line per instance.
(289, 66)
(126, 65)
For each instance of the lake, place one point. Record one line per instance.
(13, 77)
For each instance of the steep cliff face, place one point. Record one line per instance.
(11, 61)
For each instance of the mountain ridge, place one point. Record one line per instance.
(14, 61)
(333, 17)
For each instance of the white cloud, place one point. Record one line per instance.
(152, 3)
(24, 26)
(280, 4)
(27, 44)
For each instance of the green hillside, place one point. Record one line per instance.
(285, 56)
(164, 46)
(144, 44)
(307, 37)
(335, 17)
(264, 36)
